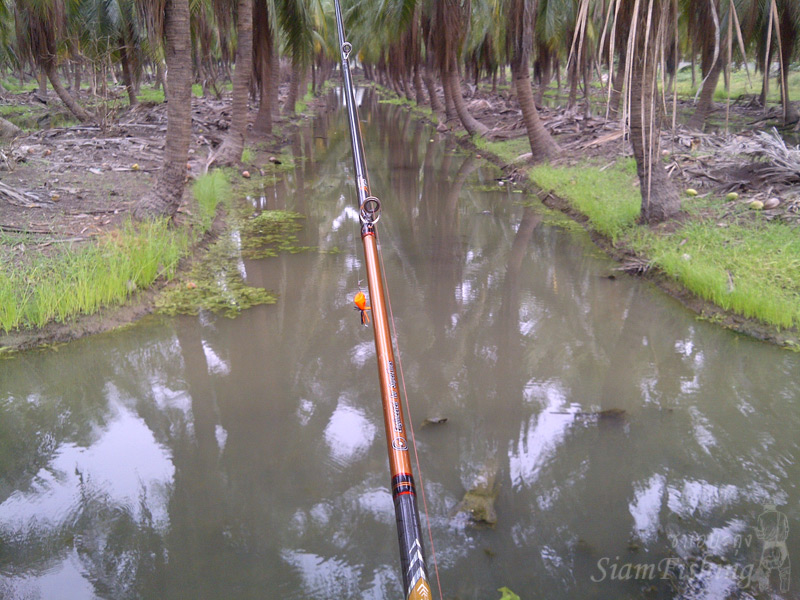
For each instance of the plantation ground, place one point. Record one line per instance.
(66, 195)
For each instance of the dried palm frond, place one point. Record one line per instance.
(635, 266)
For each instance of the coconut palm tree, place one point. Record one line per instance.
(108, 28)
(171, 17)
(295, 24)
(265, 65)
(40, 26)
(519, 14)
(548, 37)
(449, 27)
(651, 32)
(707, 24)
(776, 24)
(233, 145)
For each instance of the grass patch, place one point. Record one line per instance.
(301, 104)
(608, 197)
(27, 117)
(390, 97)
(7, 110)
(751, 269)
(209, 190)
(81, 280)
(13, 85)
(508, 150)
(396, 101)
(150, 95)
(247, 155)
(739, 85)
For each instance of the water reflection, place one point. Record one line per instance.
(208, 458)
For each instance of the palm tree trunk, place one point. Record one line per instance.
(263, 50)
(418, 90)
(572, 76)
(450, 106)
(470, 123)
(165, 197)
(542, 71)
(76, 73)
(294, 87)
(275, 76)
(126, 74)
(788, 34)
(542, 144)
(617, 84)
(233, 145)
(706, 102)
(406, 87)
(660, 199)
(70, 102)
(43, 84)
(436, 104)
(765, 87)
(161, 79)
(557, 65)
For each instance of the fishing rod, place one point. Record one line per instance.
(404, 495)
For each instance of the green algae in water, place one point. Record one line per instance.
(271, 233)
(507, 594)
(214, 284)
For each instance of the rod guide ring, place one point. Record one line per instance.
(347, 47)
(370, 210)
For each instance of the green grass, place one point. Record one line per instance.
(150, 95)
(390, 97)
(739, 85)
(197, 90)
(301, 105)
(7, 110)
(209, 190)
(13, 85)
(508, 151)
(608, 198)
(751, 269)
(82, 279)
(247, 155)
(397, 101)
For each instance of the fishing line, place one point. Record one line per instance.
(410, 419)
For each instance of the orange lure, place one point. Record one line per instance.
(361, 305)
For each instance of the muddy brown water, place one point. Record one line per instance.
(637, 451)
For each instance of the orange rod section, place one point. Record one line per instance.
(397, 442)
